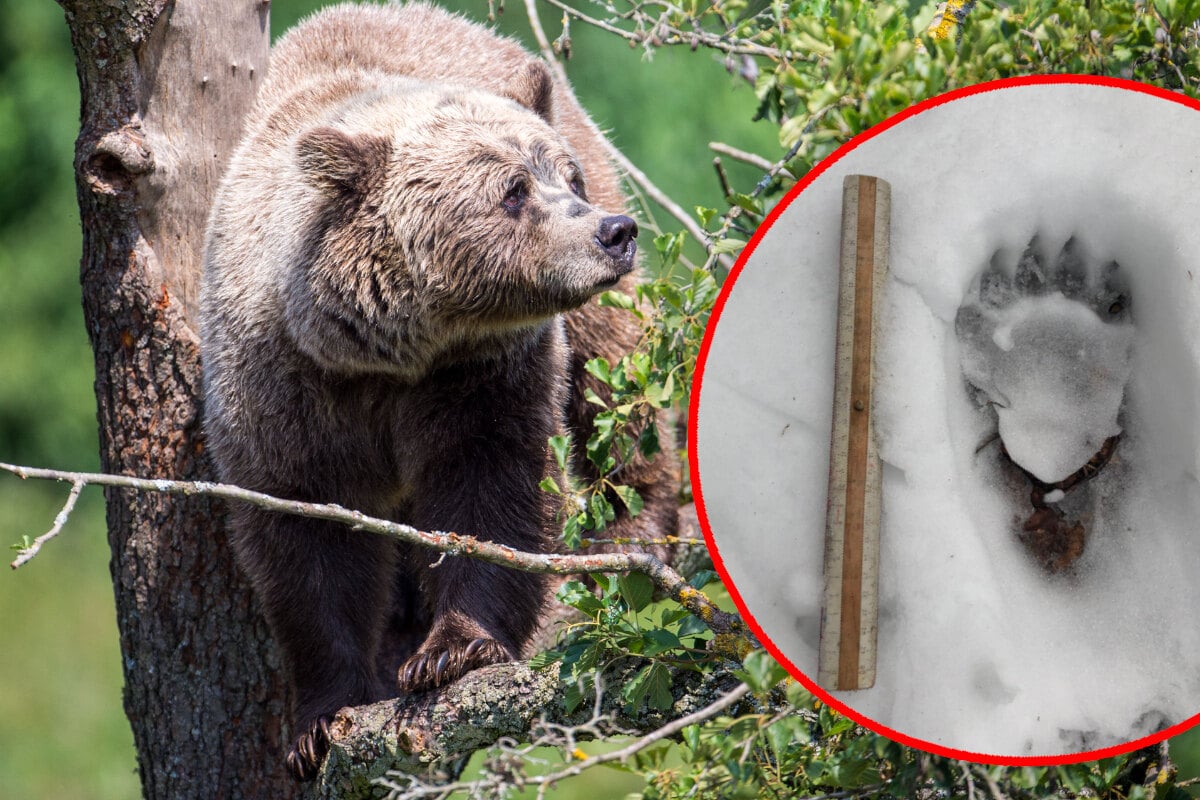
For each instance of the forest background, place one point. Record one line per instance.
(63, 733)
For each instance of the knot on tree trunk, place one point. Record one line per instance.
(116, 158)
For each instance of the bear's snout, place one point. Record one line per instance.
(617, 236)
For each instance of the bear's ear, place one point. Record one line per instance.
(533, 87)
(340, 161)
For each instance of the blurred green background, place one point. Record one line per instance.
(62, 730)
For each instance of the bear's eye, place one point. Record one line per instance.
(515, 198)
(576, 186)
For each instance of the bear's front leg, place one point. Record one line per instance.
(483, 484)
(325, 591)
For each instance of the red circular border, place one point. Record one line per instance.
(693, 417)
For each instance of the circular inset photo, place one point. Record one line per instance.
(947, 423)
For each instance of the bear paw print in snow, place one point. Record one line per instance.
(1048, 345)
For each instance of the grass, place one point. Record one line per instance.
(62, 731)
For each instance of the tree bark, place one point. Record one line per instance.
(429, 735)
(164, 88)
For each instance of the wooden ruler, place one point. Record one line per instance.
(850, 610)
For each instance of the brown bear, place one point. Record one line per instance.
(395, 316)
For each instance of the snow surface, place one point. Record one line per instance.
(979, 648)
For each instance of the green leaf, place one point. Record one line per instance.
(575, 693)
(601, 510)
(543, 660)
(669, 246)
(648, 441)
(599, 367)
(599, 446)
(651, 685)
(692, 625)
(670, 615)
(572, 532)
(748, 203)
(579, 597)
(636, 589)
(653, 757)
(760, 671)
(668, 388)
(660, 687)
(609, 584)
(702, 578)
(561, 445)
(798, 696)
(658, 642)
(594, 398)
(588, 659)
(630, 497)
(615, 299)
(780, 736)
(728, 246)
(691, 736)
(548, 484)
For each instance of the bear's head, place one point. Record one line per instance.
(448, 213)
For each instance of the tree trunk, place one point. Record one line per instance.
(165, 86)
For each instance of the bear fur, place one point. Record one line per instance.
(395, 317)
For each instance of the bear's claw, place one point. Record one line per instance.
(440, 665)
(309, 749)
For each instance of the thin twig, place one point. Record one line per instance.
(727, 220)
(966, 770)
(28, 553)
(1166, 767)
(753, 159)
(662, 35)
(624, 164)
(670, 729)
(552, 735)
(779, 166)
(993, 789)
(455, 544)
(862, 791)
(686, 541)
(723, 179)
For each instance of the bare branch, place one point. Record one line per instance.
(730, 217)
(948, 19)
(661, 34)
(993, 789)
(753, 159)
(664, 577)
(723, 179)
(29, 552)
(686, 541)
(966, 771)
(669, 729)
(630, 169)
(862, 791)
